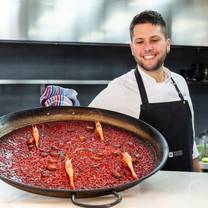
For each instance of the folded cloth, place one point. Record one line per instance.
(59, 96)
(58, 100)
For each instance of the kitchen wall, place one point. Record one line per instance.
(100, 21)
(83, 47)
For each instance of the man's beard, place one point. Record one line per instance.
(154, 67)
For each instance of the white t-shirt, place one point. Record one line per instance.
(122, 94)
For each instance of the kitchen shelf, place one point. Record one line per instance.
(72, 82)
(198, 83)
(99, 44)
(55, 81)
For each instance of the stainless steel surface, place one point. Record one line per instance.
(190, 23)
(105, 21)
(41, 81)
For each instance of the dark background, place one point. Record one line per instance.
(73, 61)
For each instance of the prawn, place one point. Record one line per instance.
(36, 136)
(128, 161)
(69, 170)
(99, 130)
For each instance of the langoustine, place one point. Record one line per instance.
(99, 130)
(70, 171)
(128, 161)
(36, 136)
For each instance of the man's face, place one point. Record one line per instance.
(149, 46)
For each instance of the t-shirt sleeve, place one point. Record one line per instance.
(110, 98)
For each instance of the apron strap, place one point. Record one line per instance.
(141, 87)
(177, 89)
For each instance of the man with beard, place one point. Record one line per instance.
(153, 93)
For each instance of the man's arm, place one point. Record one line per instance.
(196, 165)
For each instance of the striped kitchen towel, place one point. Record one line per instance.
(59, 96)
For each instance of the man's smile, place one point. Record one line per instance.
(148, 57)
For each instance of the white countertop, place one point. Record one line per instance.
(165, 189)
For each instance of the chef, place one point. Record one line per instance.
(153, 93)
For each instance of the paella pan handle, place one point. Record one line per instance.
(118, 199)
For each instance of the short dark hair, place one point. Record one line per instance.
(148, 16)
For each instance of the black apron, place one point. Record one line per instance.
(173, 121)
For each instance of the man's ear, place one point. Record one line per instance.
(168, 45)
